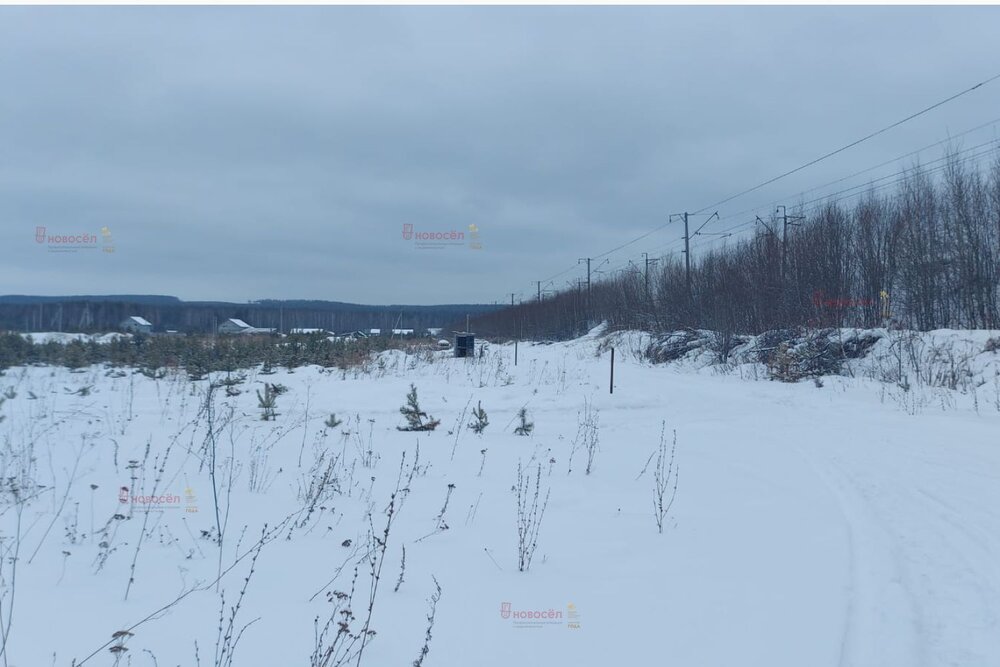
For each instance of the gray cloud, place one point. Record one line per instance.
(241, 153)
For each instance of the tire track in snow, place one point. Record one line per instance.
(872, 562)
(919, 556)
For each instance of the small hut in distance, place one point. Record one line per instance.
(465, 344)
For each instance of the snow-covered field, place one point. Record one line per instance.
(812, 526)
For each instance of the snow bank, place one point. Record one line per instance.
(62, 337)
(955, 359)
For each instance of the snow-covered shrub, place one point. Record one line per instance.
(676, 345)
(722, 344)
(791, 363)
(816, 354)
(767, 343)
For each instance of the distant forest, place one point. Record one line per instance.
(923, 253)
(90, 314)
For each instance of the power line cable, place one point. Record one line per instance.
(900, 177)
(863, 171)
(848, 177)
(964, 156)
(800, 168)
(852, 144)
(819, 187)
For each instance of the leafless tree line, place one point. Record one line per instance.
(924, 256)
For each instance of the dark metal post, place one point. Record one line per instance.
(687, 256)
(612, 370)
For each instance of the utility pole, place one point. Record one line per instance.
(687, 243)
(786, 221)
(512, 298)
(774, 235)
(686, 251)
(587, 260)
(539, 283)
(646, 272)
(687, 255)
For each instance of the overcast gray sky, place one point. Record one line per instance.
(246, 153)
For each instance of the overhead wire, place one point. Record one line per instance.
(850, 145)
(808, 164)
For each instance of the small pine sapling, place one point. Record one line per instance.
(525, 426)
(268, 402)
(415, 416)
(482, 421)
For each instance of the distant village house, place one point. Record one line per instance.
(237, 326)
(136, 324)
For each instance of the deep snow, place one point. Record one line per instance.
(834, 525)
